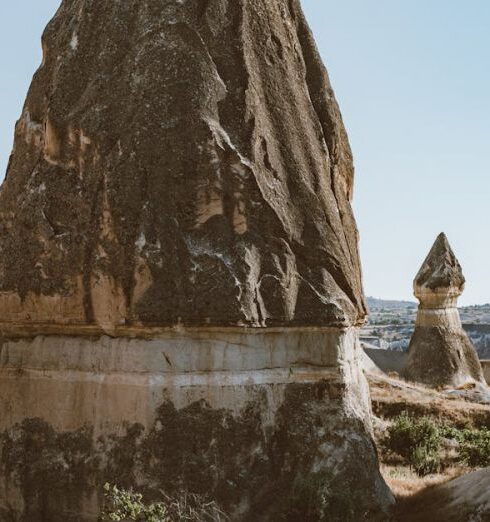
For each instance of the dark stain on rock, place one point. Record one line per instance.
(55, 472)
(253, 469)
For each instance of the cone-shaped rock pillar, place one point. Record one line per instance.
(440, 352)
(180, 284)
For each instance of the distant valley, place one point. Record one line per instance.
(391, 323)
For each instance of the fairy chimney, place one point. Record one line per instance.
(440, 352)
(180, 284)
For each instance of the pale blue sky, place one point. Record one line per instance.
(413, 81)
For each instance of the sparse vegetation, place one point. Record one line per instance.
(125, 506)
(405, 482)
(474, 445)
(417, 441)
(462, 425)
(476, 452)
(425, 461)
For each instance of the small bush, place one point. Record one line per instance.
(125, 506)
(458, 434)
(424, 461)
(417, 441)
(474, 444)
(475, 449)
(450, 432)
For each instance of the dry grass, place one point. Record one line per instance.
(425, 499)
(391, 397)
(463, 499)
(405, 483)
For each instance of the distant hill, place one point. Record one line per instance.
(376, 304)
(386, 304)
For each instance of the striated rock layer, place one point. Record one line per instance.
(273, 425)
(180, 283)
(440, 352)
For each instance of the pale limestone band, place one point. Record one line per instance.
(439, 317)
(71, 381)
(174, 351)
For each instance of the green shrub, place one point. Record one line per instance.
(125, 506)
(474, 444)
(425, 461)
(475, 449)
(458, 434)
(450, 432)
(416, 441)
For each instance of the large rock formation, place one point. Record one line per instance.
(440, 352)
(180, 283)
(179, 162)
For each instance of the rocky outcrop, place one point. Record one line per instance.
(180, 283)
(272, 425)
(180, 162)
(440, 352)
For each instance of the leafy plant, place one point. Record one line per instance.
(125, 506)
(418, 441)
(474, 444)
(425, 461)
(475, 449)
(450, 432)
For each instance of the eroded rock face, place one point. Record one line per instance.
(181, 180)
(274, 425)
(180, 162)
(440, 352)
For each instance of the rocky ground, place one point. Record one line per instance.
(457, 492)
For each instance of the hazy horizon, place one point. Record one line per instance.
(413, 88)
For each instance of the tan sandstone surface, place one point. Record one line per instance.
(440, 352)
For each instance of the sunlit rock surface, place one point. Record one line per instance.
(180, 162)
(440, 352)
(181, 287)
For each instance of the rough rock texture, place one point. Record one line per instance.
(180, 161)
(440, 352)
(486, 370)
(181, 181)
(273, 425)
(441, 269)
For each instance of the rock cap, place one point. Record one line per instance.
(441, 269)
